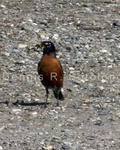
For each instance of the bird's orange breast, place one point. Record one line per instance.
(51, 72)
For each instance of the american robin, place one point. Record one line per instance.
(51, 71)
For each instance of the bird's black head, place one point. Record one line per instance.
(48, 47)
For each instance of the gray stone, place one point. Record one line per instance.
(67, 145)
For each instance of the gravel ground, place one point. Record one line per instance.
(86, 34)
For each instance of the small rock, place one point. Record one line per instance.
(101, 87)
(56, 36)
(3, 6)
(30, 20)
(103, 81)
(48, 148)
(78, 23)
(78, 4)
(1, 148)
(87, 46)
(28, 27)
(118, 114)
(88, 10)
(68, 134)
(7, 54)
(103, 51)
(116, 23)
(20, 62)
(12, 25)
(118, 46)
(37, 30)
(22, 46)
(90, 137)
(88, 101)
(56, 139)
(68, 48)
(50, 113)
(67, 145)
(98, 123)
(25, 56)
(16, 111)
(61, 108)
(43, 37)
(71, 68)
(12, 70)
(36, 99)
(34, 113)
(110, 66)
(2, 128)
(3, 36)
(5, 12)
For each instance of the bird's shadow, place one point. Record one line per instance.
(22, 103)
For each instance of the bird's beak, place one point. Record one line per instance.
(40, 46)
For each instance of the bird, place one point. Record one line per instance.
(50, 71)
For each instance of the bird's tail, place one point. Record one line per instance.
(58, 95)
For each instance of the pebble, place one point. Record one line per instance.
(101, 87)
(103, 51)
(118, 46)
(67, 133)
(16, 50)
(68, 48)
(27, 96)
(56, 139)
(1, 148)
(71, 69)
(116, 23)
(12, 70)
(91, 149)
(22, 46)
(103, 81)
(34, 113)
(61, 108)
(36, 99)
(37, 30)
(25, 56)
(98, 123)
(3, 6)
(110, 66)
(118, 114)
(48, 148)
(56, 36)
(16, 111)
(20, 62)
(44, 37)
(88, 101)
(6, 54)
(67, 145)
(1, 128)
(28, 27)
(88, 10)
(5, 12)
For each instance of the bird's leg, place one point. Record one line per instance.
(47, 92)
(57, 102)
(58, 97)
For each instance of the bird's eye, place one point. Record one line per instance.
(48, 44)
